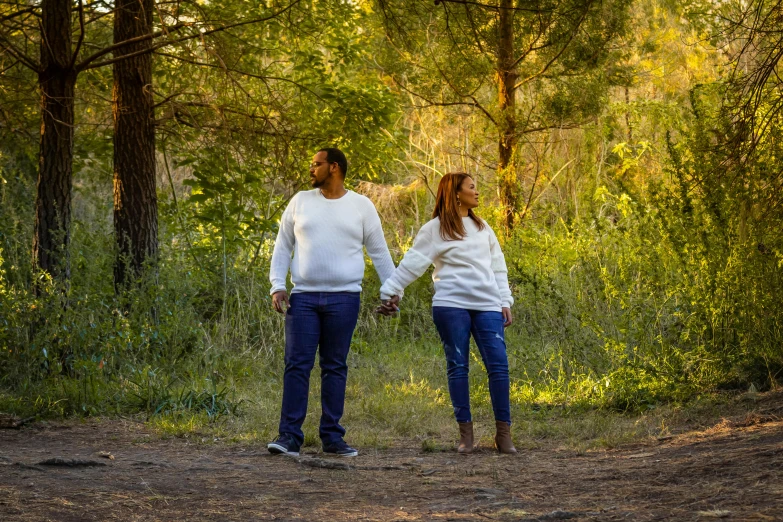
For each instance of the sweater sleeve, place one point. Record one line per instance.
(284, 247)
(375, 243)
(498, 265)
(413, 264)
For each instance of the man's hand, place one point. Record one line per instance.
(507, 317)
(389, 307)
(278, 298)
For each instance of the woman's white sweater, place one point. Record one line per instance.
(469, 273)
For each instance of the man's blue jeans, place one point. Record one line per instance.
(322, 321)
(455, 326)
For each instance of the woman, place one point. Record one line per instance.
(471, 298)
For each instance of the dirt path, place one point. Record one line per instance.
(732, 471)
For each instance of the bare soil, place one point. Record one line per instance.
(62, 472)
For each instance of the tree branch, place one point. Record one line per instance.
(6, 45)
(562, 50)
(81, 35)
(550, 127)
(531, 48)
(2, 71)
(473, 103)
(87, 64)
(17, 13)
(240, 72)
(490, 6)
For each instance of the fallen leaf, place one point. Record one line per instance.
(640, 455)
(714, 513)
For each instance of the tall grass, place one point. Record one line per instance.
(625, 309)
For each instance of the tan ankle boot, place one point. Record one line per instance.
(465, 438)
(503, 438)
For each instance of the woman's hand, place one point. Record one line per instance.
(507, 317)
(389, 307)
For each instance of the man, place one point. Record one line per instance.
(325, 228)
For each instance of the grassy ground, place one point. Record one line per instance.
(400, 392)
(224, 381)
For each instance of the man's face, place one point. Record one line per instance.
(320, 170)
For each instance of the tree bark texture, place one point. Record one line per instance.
(56, 81)
(135, 193)
(506, 79)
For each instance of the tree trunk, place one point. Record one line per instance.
(57, 81)
(135, 193)
(628, 116)
(506, 78)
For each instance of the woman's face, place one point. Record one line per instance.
(467, 194)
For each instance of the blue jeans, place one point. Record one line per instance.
(322, 321)
(455, 326)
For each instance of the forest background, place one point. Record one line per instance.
(628, 153)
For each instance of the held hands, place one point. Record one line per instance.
(280, 301)
(389, 307)
(507, 317)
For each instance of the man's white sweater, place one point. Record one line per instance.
(469, 273)
(326, 237)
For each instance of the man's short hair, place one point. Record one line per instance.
(334, 155)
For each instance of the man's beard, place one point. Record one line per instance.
(318, 184)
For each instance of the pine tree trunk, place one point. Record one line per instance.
(57, 81)
(135, 193)
(506, 79)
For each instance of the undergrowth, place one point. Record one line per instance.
(623, 312)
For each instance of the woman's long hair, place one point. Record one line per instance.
(446, 208)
